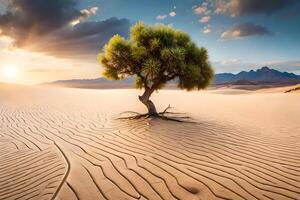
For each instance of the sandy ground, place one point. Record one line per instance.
(67, 144)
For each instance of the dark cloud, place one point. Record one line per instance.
(245, 30)
(57, 27)
(242, 7)
(31, 17)
(260, 6)
(84, 39)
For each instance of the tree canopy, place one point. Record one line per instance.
(155, 55)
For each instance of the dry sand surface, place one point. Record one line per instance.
(286, 89)
(58, 143)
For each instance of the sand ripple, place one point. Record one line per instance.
(60, 151)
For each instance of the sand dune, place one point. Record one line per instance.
(60, 143)
(284, 89)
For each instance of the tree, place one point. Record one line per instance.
(156, 55)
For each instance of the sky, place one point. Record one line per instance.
(47, 40)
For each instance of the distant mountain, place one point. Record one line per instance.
(261, 76)
(243, 82)
(98, 83)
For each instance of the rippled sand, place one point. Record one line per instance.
(67, 144)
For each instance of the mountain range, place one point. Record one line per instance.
(262, 76)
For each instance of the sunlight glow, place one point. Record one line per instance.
(9, 72)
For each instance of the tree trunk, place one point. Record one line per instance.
(148, 103)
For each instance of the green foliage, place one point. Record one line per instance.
(155, 55)
(139, 83)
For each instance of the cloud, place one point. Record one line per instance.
(37, 67)
(221, 6)
(172, 14)
(201, 9)
(232, 65)
(164, 16)
(204, 19)
(289, 66)
(161, 17)
(243, 7)
(58, 27)
(244, 30)
(84, 39)
(86, 13)
(230, 61)
(206, 30)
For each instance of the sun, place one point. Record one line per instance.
(9, 72)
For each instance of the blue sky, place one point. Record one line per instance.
(239, 34)
(282, 44)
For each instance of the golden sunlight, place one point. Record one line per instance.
(9, 73)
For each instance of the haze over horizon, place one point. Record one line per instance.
(49, 40)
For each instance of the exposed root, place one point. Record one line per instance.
(161, 115)
(177, 119)
(167, 112)
(138, 116)
(169, 107)
(130, 112)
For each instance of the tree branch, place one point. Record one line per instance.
(144, 80)
(163, 112)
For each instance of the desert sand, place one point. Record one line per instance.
(59, 143)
